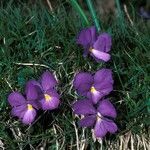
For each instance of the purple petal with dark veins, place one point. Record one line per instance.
(82, 83)
(16, 99)
(48, 80)
(83, 107)
(35, 103)
(38, 87)
(110, 126)
(87, 121)
(50, 105)
(19, 111)
(29, 116)
(52, 93)
(95, 97)
(103, 126)
(104, 89)
(31, 91)
(53, 101)
(106, 108)
(82, 78)
(84, 89)
(103, 76)
(36, 83)
(103, 81)
(87, 36)
(103, 42)
(99, 129)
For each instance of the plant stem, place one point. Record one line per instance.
(93, 13)
(80, 11)
(120, 15)
(118, 6)
(119, 10)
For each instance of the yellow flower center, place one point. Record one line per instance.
(93, 89)
(29, 107)
(47, 97)
(90, 49)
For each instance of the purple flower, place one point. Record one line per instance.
(96, 117)
(144, 14)
(97, 46)
(24, 108)
(48, 97)
(94, 86)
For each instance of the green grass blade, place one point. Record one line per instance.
(80, 11)
(93, 13)
(120, 14)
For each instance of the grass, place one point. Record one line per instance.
(34, 35)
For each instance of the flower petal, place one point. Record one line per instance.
(99, 129)
(100, 55)
(107, 109)
(103, 88)
(35, 83)
(53, 93)
(50, 100)
(83, 107)
(50, 105)
(87, 36)
(110, 126)
(95, 96)
(103, 42)
(82, 78)
(35, 103)
(48, 80)
(16, 99)
(31, 91)
(29, 116)
(87, 121)
(82, 83)
(38, 87)
(103, 76)
(103, 81)
(103, 126)
(19, 111)
(83, 89)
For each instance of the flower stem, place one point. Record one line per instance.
(80, 11)
(93, 13)
(118, 6)
(121, 21)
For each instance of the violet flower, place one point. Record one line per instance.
(24, 108)
(48, 97)
(97, 46)
(144, 14)
(94, 86)
(96, 117)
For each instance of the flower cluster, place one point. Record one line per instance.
(97, 111)
(38, 95)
